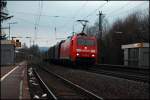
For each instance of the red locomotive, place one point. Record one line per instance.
(78, 48)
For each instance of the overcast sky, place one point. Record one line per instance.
(28, 14)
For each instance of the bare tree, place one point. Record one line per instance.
(133, 28)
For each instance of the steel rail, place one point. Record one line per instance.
(122, 75)
(121, 72)
(50, 93)
(122, 66)
(92, 95)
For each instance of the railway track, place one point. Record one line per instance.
(130, 73)
(58, 87)
(135, 74)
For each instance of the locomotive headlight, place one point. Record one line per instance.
(92, 51)
(93, 55)
(78, 50)
(77, 54)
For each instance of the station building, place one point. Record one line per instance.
(136, 54)
(7, 51)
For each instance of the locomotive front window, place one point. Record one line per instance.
(86, 42)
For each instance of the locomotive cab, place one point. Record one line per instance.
(86, 49)
(79, 48)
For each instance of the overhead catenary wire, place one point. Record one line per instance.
(37, 21)
(35, 14)
(79, 10)
(101, 6)
(91, 13)
(30, 22)
(35, 26)
(75, 14)
(40, 12)
(120, 11)
(120, 8)
(112, 13)
(117, 11)
(134, 7)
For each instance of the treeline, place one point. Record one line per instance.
(132, 29)
(32, 54)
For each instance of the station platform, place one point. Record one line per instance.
(14, 83)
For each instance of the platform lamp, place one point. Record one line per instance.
(9, 27)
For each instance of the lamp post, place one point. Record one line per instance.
(9, 27)
(55, 26)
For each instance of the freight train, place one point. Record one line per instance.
(76, 49)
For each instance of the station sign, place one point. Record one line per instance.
(18, 44)
(139, 45)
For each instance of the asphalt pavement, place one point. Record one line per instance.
(14, 83)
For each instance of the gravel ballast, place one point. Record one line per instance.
(107, 87)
